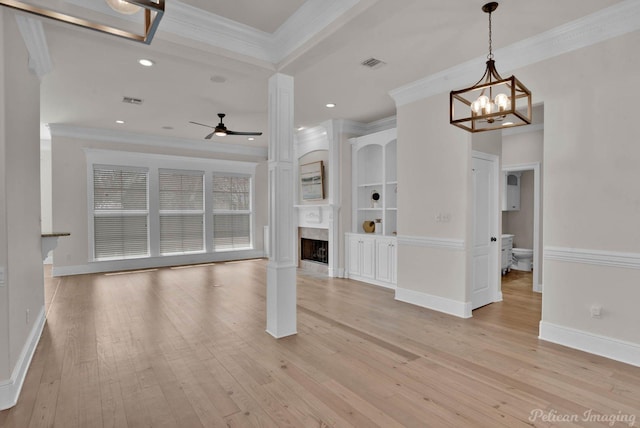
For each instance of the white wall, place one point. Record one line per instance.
(20, 249)
(591, 198)
(434, 161)
(70, 199)
(46, 212)
(592, 186)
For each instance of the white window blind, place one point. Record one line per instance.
(181, 211)
(231, 212)
(120, 212)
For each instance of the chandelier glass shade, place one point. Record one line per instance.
(493, 102)
(122, 6)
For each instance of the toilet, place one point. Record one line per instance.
(522, 259)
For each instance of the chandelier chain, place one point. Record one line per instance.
(490, 56)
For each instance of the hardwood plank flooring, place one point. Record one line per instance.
(187, 347)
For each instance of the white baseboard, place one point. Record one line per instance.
(154, 262)
(372, 281)
(615, 349)
(336, 273)
(437, 303)
(10, 389)
(537, 288)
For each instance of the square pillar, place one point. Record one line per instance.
(281, 269)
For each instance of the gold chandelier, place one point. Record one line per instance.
(493, 102)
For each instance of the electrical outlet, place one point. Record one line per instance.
(596, 311)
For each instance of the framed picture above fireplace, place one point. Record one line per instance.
(312, 181)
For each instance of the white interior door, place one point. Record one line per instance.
(484, 289)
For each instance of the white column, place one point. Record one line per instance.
(281, 270)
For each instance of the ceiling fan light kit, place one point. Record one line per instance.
(153, 11)
(493, 102)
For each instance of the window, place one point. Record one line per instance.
(231, 212)
(168, 208)
(120, 212)
(181, 211)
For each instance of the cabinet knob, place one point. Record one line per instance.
(494, 239)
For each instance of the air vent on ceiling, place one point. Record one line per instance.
(131, 100)
(373, 63)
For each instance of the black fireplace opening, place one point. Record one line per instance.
(314, 250)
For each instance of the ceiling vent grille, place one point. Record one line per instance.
(373, 63)
(131, 100)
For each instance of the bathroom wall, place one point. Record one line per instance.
(520, 223)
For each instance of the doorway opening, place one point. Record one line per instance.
(521, 227)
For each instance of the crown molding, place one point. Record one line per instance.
(35, 40)
(198, 25)
(605, 24)
(359, 129)
(308, 21)
(108, 135)
(381, 125)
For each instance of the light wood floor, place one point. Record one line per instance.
(187, 348)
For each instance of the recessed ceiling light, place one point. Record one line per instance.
(218, 79)
(250, 138)
(330, 105)
(146, 62)
(120, 122)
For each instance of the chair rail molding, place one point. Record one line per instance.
(593, 257)
(429, 242)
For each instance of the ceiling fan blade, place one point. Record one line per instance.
(202, 124)
(243, 133)
(208, 137)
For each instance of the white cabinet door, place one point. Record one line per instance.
(353, 253)
(393, 262)
(371, 257)
(368, 255)
(384, 261)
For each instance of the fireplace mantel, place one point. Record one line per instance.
(317, 216)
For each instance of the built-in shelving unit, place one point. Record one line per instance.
(371, 256)
(374, 165)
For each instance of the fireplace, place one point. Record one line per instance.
(314, 250)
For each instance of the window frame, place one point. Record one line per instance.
(153, 162)
(115, 213)
(250, 211)
(201, 212)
